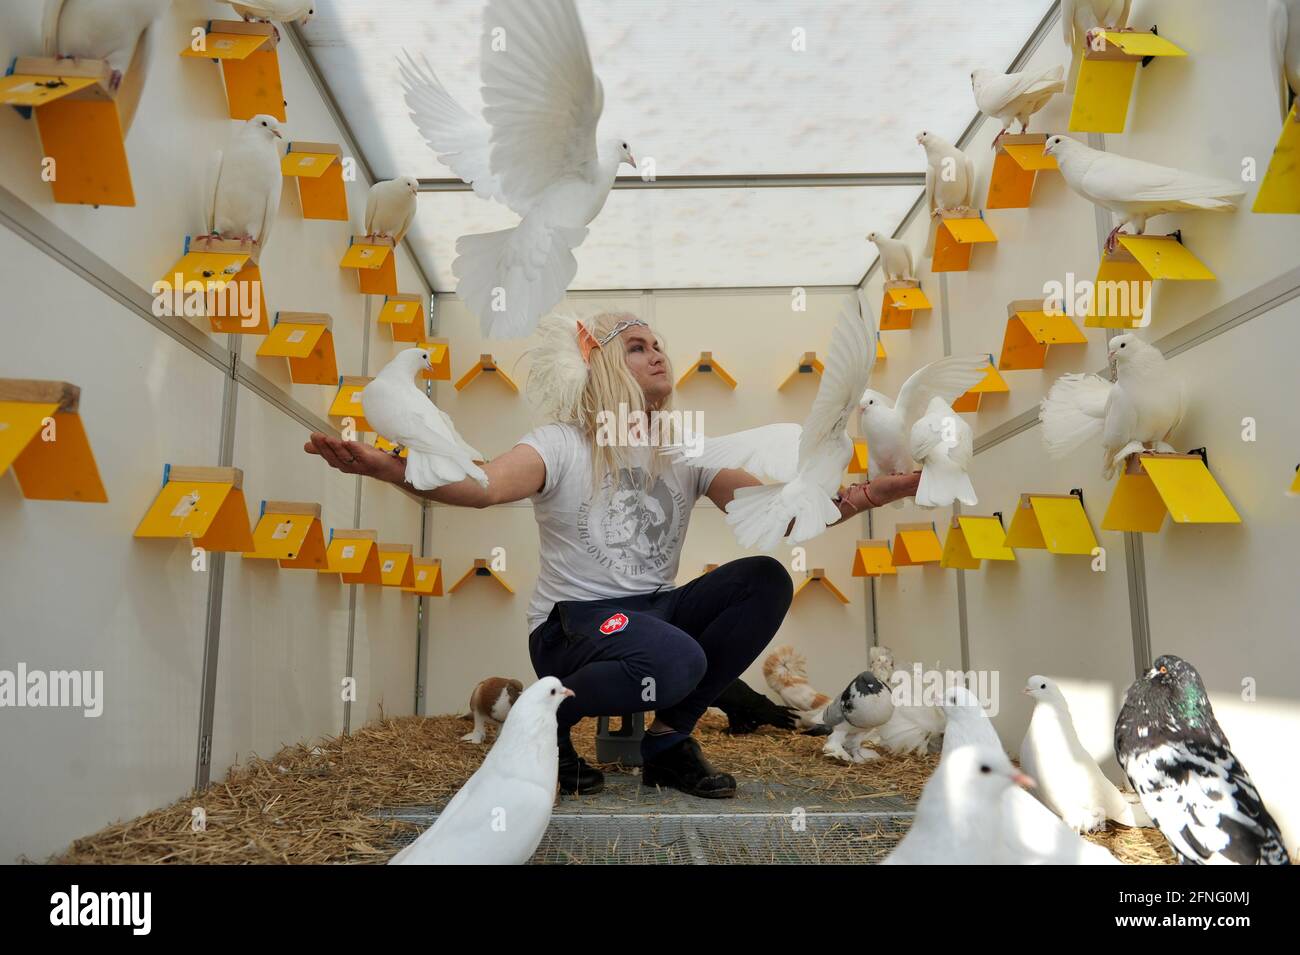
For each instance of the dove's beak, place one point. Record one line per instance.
(1027, 782)
(1025, 691)
(567, 692)
(277, 134)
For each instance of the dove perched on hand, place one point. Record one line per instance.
(99, 30)
(1284, 50)
(1070, 782)
(402, 413)
(243, 194)
(943, 444)
(500, 815)
(280, 11)
(949, 180)
(808, 461)
(1138, 190)
(1135, 413)
(895, 257)
(536, 149)
(390, 207)
(1078, 17)
(865, 705)
(1175, 755)
(887, 425)
(1015, 96)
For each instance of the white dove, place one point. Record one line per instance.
(808, 461)
(99, 30)
(1026, 823)
(949, 180)
(390, 207)
(1070, 782)
(1138, 190)
(500, 815)
(243, 195)
(1135, 413)
(1284, 50)
(895, 257)
(535, 149)
(402, 413)
(280, 11)
(887, 425)
(943, 444)
(1015, 96)
(1078, 17)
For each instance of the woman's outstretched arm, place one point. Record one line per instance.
(853, 500)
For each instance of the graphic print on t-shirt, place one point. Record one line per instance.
(629, 527)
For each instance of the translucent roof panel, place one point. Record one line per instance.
(690, 238)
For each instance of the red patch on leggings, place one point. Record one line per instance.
(614, 624)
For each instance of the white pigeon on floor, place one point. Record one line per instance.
(887, 425)
(807, 461)
(1135, 413)
(1138, 190)
(1070, 782)
(405, 415)
(865, 705)
(944, 445)
(1078, 17)
(536, 149)
(949, 180)
(278, 11)
(895, 257)
(1015, 97)
(244, 182)
(98, 30)
(390, 207)
(1284, 50)
(500, 815)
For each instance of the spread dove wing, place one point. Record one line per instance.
(245, 181)
(1080, 16)
(949, 180)
(943, 444)
(1284, 50)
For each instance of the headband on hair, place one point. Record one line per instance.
(587, 341)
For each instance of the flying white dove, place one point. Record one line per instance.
(390, 207)
(1015, 96)
(949, 180)
(1078, 17)
(1070, 782)
(244, 182)
(280, 11)
(1135, 413)
(1170, 746)
(806, 461)
(1026, 823)
(535, 149)
(98, 30)
(943, 444)
(865, 705)
(1284, 50)
(895, 257)
(402, 413)
(1138, 190)
(887, 425)
(500, 815)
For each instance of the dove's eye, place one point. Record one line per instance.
(1043, 687)
(985, 769)
(1123, 344)
(552, 692)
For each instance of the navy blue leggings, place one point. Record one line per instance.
(671, 651)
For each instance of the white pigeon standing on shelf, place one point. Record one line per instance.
(1284, 50)
(895, 257)
(500, 815)
(887, 425)
(1026, 823)
(807, 461)
(865, 705)
(278, 11)
(1174, 754)
(949, 181)
(244, 182)
(1137, 412)
(390, 208)
(1015, 97)
(943, 444)
(402, 413)
(1070, 782)
(99, 30)
(1138, 190)
(536, 149)
(1078, 17)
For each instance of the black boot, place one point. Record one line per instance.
(576, 776)
(684, 767)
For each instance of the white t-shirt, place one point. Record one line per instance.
(627, 541)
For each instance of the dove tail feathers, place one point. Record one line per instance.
(760, 515)
(1073, 412)
(942, 484)
(426, 471)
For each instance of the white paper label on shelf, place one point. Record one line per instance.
(282, 531)
(349, 551)
(399, 307)
(307, 160)
(185, 506)
(296, 336)
(421, 575)
(356, 397)
(388, 567)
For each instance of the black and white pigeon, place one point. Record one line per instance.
(865, 704)
(1177, 758)
(747, 710)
